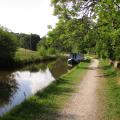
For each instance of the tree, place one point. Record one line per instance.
(34, 41)
(74, 26)
(69, 35)
(8, 46)
(109, 25)
(74, 8)
(88, 24)
(28, 41)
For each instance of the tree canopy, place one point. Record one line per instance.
(28, 41)
(87, 26)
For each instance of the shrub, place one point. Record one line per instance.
(42, 51)
(8, 46)
(51, 51)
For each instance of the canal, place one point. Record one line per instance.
(17, 85)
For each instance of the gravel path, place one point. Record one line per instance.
(84, 103)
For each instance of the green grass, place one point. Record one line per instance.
(112, 91)
(45, 105)
(24, 56)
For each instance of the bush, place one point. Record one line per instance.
(51, 51)
(42, 51)
(8, 46)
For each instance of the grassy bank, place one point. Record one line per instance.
(112, 91)
(24, 56)
(45, 105)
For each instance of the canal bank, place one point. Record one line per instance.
(19, 84)
(46, 104)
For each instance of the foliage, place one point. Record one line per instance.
(51, 51)
(28, 41)
(42, 51)
(109, 23)
(89, 25)
(43, 42)
(73, 30)
(46, 51)
(34, 41)
(73, 8)
(8, 46)
(69, 35)
(112, 91)
(26, 56)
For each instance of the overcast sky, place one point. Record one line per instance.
(27, 16)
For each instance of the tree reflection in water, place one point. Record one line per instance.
(59, 67)
(8, 87)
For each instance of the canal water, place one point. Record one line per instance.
(17, 85)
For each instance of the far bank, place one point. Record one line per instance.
(25, 57)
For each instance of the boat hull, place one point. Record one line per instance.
(73, 62)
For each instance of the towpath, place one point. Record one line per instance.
(85, 103)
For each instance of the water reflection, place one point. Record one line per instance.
(59, 67)
(15, 86)
(8, 87)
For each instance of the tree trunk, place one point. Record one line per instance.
(117, 64)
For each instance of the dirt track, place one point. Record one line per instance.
(84, 104)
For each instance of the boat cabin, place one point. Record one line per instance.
(75, 58)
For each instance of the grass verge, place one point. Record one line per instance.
(45, 105)
(112, 91)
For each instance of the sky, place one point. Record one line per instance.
(27, 16)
